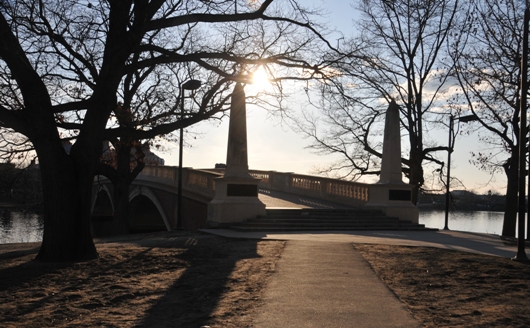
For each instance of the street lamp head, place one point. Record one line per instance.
(191, 85)
(468, 118)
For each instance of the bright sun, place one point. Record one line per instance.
(260, 80)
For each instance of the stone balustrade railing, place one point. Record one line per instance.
(200, 181)
(344, 192)
(164, 172)
(203, 181)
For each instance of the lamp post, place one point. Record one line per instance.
(464, 119)
(521, 254)
(449, 151)
(188, 85)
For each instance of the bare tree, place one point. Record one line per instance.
(66, 63)
(122, 163)
(488, 71)
(398, 55)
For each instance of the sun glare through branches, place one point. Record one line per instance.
(260, 79)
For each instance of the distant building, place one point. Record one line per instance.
(151, 158)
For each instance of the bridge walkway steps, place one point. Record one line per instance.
(278, 199)
(289, 212)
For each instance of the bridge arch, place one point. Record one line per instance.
(149, 194)
(102, 202)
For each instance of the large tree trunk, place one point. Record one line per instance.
(121, 208)
(66, 235)
(512, 202)
(121, 189)
(122, 177)
(415, 174)
(67, 184)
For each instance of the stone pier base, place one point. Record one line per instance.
(235, 200)
(393, 200)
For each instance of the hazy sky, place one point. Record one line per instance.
(274, 146)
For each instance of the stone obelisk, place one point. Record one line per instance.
(391, 161)
(391, 195)
(237, 152)
(236, 193)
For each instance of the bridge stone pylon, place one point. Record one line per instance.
(236, 193)
(391, 194)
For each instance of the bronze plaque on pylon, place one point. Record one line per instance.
(244, 190)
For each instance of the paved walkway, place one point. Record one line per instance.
(447, 239)
(278, 199)
(322, 281)
(325, 284)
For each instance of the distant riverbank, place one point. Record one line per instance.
(9, 204)
(472, 221)
(463, 200)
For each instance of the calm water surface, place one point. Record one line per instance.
(476, 221)
(20, 227)
(25, 227)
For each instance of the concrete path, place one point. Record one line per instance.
(326, 284)
(480, 243)
(322, 281)
(278, 199)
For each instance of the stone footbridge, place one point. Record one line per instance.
(220, 198)
(153, 196)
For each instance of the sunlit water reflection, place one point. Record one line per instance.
(476, 221)
(20, 227)
(25, 227)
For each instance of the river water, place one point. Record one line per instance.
(25, 227)
(20, 227)
(472, 221)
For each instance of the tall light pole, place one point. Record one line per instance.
(188, 85)
(521, 254)
(464, 119)
(449, 151)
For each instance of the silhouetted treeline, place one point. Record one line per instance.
(464, 200)
(20, 186)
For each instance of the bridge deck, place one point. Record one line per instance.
(278, 199)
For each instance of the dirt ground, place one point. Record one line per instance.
(444, 288)
(201, 280)
(181, 281)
